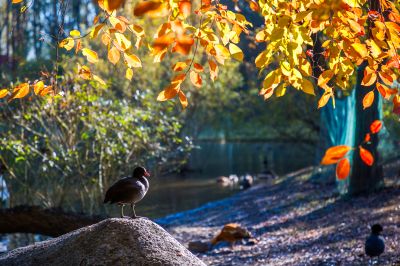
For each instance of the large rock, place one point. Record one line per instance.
(110, 242)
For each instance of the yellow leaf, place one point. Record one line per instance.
(236, 52)
(3, 93)
(183, 99)
(122, 41)
(179, 66)
(368, 99)
(95, 31)
(286, 68)
(99, 80)
(91, 55)
(38, 87)
(75, 33)
(113, 55)
(68, 43)
(169, 92)
(20, 91)
(132, 60)
(129, 74)
(325, 77)
(280, 90)
(324, 99)
(307, 87)
(361, 49)
(84, 72)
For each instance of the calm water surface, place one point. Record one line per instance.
(174, 193)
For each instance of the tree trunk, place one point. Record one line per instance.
(365, 178)
(35, 220)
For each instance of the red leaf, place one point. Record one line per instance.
(334, 154)
(343, 169)
(375, 126)
(367, 137)
(366, 156)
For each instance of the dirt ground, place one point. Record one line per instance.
(297, 221)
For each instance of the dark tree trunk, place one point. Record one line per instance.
(51, 222)
(365, 178)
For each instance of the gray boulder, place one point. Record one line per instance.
(109, 242)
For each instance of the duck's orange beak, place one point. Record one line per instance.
(146, 174)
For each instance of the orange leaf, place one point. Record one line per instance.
(367, 137)
(198, 67)
(169, 92)
(368, 79)
(343, 169)
(375, 126)
(146, 7)
(163, 42)
(368, 99)
(334, 154)
(396, 104)
(213, 69)
(195, 79)
(20, 91)
(185, 7)
(366, 156)
(183, 99)
(183, 44)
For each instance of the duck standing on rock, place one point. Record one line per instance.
(129, 190)
(375, 245)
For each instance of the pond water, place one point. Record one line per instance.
(176, 193)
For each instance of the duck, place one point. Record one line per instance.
(375, 245)
(231, 233)
(129, 190)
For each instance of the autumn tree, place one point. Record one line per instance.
(359, 47)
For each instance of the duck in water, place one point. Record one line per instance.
(129, 190)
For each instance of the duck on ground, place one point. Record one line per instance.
(375, 245)
(129, 190)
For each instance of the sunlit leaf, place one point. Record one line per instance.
(343, 169)
(236, 52)
(307, 87)
(38, 87)
(375, 126)
(3, 93)
(334, 154)
(129, 74)
(183, 100)
(19, 91)
(366, 156)
(132, 60)
(147, 7)
(368, 99)
(197, 67)
(113, 55)
(91, 55)
(75, 33)
(68, 43)
(169, 92)
(179, 66)
(195, 78)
